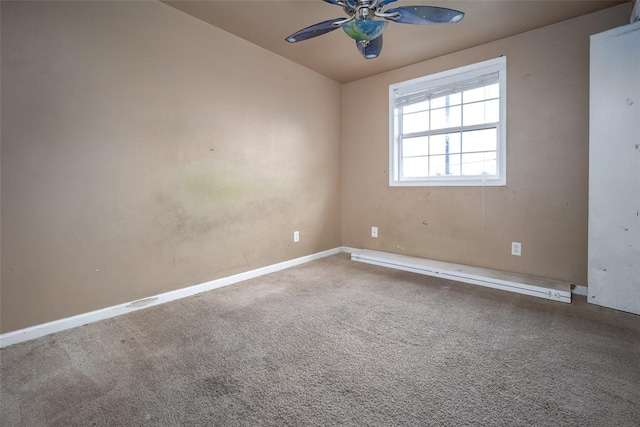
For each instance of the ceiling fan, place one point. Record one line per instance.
(366, 31)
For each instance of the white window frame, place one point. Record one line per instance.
(439, 81)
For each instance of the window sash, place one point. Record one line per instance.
(462, 152)
(426, 91)
(454, 129)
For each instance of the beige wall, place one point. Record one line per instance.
(544, 204)
(145, 151)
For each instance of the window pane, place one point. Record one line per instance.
(493, 111)
(420, 106)
(481, 112)
(439, 143)
(445, 117)
(490, 166)
(441, 102)
(444, 165)
(492, 91)
(473, 95)
(481, 93)
(437, 164)
(480, 140)
(415, 122)
(415, 167)
(479, 164)
(412, 147)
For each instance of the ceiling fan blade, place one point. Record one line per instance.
(425, 15)
(314, 30)
(371, 49)
(385, 2)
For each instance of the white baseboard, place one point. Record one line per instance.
(518, 283)
(41, 330)
(373, 257)
(349, 250)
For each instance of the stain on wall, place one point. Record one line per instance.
(144, 151)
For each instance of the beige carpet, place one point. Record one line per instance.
(335, 342)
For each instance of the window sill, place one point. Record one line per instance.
(450, 183)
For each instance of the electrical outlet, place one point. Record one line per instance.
(516, 248)
(374, 232)
(296, 236)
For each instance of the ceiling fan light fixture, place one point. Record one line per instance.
(364, 30)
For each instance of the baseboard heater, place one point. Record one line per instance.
(513, 282)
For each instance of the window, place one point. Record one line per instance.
(449, 129)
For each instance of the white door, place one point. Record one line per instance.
(614, 169)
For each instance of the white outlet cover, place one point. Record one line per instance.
(374, 232)
(516, 248)
(296, 236)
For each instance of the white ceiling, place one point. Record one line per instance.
(267, 22)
